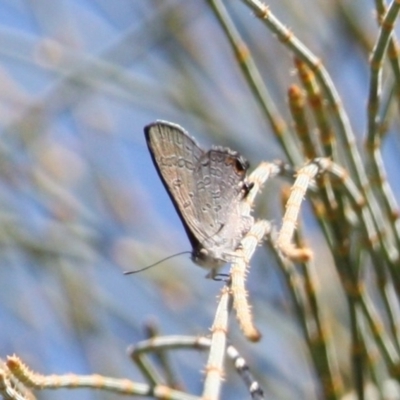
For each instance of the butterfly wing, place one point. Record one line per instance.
(206, 188)
(176, 155)
(221, 187)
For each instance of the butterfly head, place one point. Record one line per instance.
(209, 259)
(206, 258)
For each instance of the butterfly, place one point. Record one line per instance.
(207, 189)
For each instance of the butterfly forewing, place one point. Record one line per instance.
(176, 155)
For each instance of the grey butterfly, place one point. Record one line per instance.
(207, 189)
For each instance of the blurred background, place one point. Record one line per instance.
(81, 202)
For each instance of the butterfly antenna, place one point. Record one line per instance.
(158, 262)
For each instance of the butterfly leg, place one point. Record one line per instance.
(221, 277)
